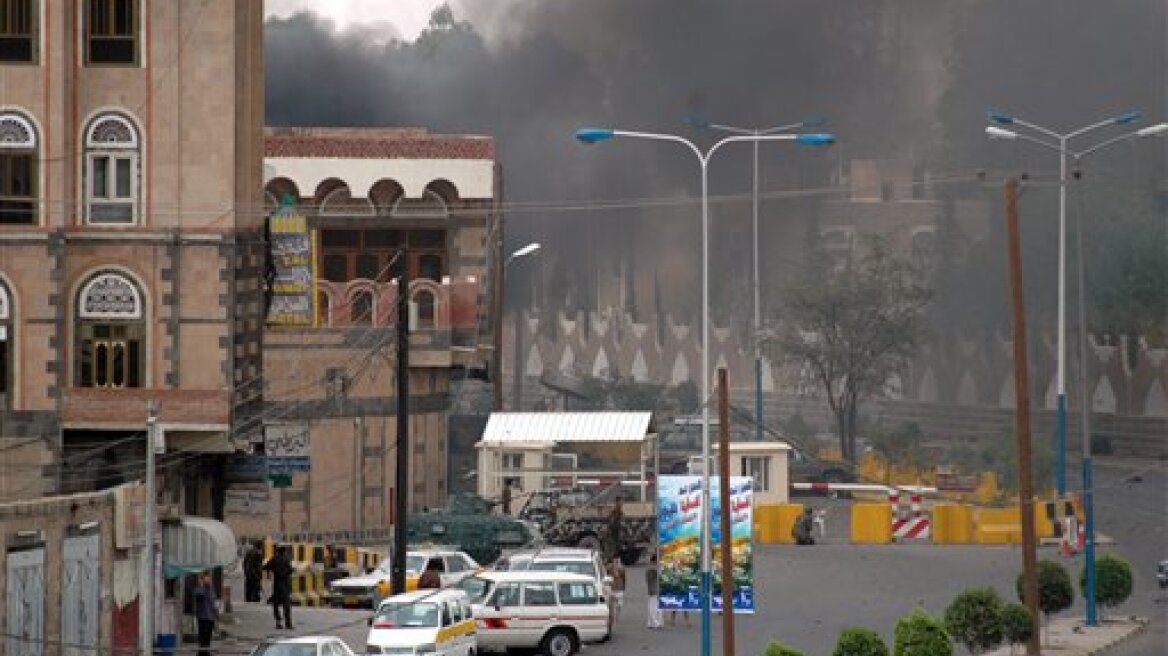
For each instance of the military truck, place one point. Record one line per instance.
(580, 517)
(468, 523)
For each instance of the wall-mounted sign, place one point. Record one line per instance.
(292, 284)
(287, 449)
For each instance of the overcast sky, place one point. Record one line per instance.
(408, 16)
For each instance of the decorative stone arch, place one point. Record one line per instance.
(17, 130)
(112, 129)
(439, 314)
(361, 302)
(111, 331)
(326, 187)
(445, 189)
(112, 167)
(277, 188)
(340, 202)
(384, 194)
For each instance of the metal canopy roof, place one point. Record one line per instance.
(551, 427)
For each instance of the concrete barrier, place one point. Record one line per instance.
(952, 523)
(774, 522)
(871, 523)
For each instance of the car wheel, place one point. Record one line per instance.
(558, 642)
(590, 541)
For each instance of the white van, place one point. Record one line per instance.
(437, 622)
(553, 611)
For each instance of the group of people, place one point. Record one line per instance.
(281, 570)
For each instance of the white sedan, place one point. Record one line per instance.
(306, 646)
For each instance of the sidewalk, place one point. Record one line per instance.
(1071, 637)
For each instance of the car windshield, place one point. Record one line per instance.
(476, 588)
(286, 649)
(568, 566)
(406, 616)
(414, 564)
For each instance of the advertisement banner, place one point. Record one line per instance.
(679, 512)
(292, 283)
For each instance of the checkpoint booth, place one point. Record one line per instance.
(562, 450)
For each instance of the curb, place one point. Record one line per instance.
(1141, 626)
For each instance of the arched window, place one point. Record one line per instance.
(6, 348)
(424, 305)
(18, 170)
(361, 308)
(111, 170)
(111, 333)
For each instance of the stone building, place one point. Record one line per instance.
(130, 242)
(362, 196)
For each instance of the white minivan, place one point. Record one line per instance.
(555, 612)
(437, 622)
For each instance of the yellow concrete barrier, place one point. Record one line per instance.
(871, 523)
(952, 523)
(997, 525)
(775, 522)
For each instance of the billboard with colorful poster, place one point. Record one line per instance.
(679, 508)
(293, 287)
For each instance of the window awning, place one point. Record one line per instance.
(196, 544)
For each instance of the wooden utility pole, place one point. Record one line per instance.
(402, 478)
(727, 544)
(1022, 418)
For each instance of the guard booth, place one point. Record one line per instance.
(766, 462)
(562, 450)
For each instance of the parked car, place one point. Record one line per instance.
(588, 562)
(370, 589)
(552, 611)
(1162, 574)
(305, 646)
(436, 622)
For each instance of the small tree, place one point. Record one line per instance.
(1113, 580)
(859, 641)
(975, 619)
(1055, 591)
(1017, 624)
(779, 649)
(921, 634)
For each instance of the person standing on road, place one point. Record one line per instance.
(281, 569)
(431, 579)
(206, 611)
(653, 587)
(253, 572)
(617, 572)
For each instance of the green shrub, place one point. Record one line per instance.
(921, 634)
(1017, 624)
(779, 649)
(1113, 580)
(974, 619)
(859, 641)
(1055, 591)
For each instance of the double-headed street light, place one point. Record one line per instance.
(995, 132)
(811, 121)
(595, 135)
(1059, 145)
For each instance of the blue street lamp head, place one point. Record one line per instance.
(1000, 117)
(1125, 118)
(816, 139)
(593, 135)
(815, 120)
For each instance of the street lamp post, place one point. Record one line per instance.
(497, 359)
(756, 285)
(995, 132)
(1061, 142)
(594, 135)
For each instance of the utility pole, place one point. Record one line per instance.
(146, 574)
(727, 544)
(1022, 417)
(497, 300)
(402, 479)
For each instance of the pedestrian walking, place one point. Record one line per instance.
(281, 569)
(653, 588)
(206, 611)
(253, 572)
(431, 579)
(616, 571)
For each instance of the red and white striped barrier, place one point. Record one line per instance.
(916, 525)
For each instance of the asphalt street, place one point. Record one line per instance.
(807, 595)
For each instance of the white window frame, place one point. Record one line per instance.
(761, 483)
(112, 151)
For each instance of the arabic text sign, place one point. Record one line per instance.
(287, 448)
(679, 508)
(292, 286)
